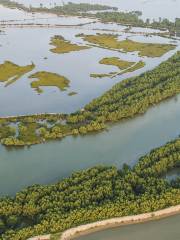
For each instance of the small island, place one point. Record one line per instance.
(124, 67)
(64, 46)
(48, 79)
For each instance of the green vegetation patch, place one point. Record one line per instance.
(115, 61)
(10, 72)
(72, 93)
(75, 8)
(63, 46)
(55, 236)
(49, 79)
(125, 66)
(133, 19)
(66, 9)
(7, 131)
(93, 194)
(101, 75)
(135, 67)
(111, 41)
(135, 95)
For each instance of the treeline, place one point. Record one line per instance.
(133, 19)
(125, 100)
(74, 8)
(133, 96)
(130, 18)
(83, 9)
(13, 4)
(94, 194)
(69, 8)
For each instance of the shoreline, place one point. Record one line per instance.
(86, 229)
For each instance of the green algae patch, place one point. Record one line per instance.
(48, 79)
(11, 72)
(115, 61)
(111, 41)
(64, 46)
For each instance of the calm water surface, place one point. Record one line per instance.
(163, 229)
(123, 143)
(20, 98)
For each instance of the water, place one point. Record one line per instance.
(76, 66)
(173, 174)
(123, 143)
(163, 229)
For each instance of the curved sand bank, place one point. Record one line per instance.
(113, 222)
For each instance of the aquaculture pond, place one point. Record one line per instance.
(163, 229)
(76, 66)
(49, 162)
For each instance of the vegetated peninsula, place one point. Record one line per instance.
(112, 42)
(64, 46)
(45, 79)
(94, 194)
(125, 100)
(10, 72)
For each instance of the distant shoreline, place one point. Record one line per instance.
(113, 222)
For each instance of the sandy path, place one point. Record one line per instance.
(83, 229)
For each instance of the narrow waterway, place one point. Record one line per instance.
(125, 142)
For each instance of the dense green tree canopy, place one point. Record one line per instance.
(93, 194)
